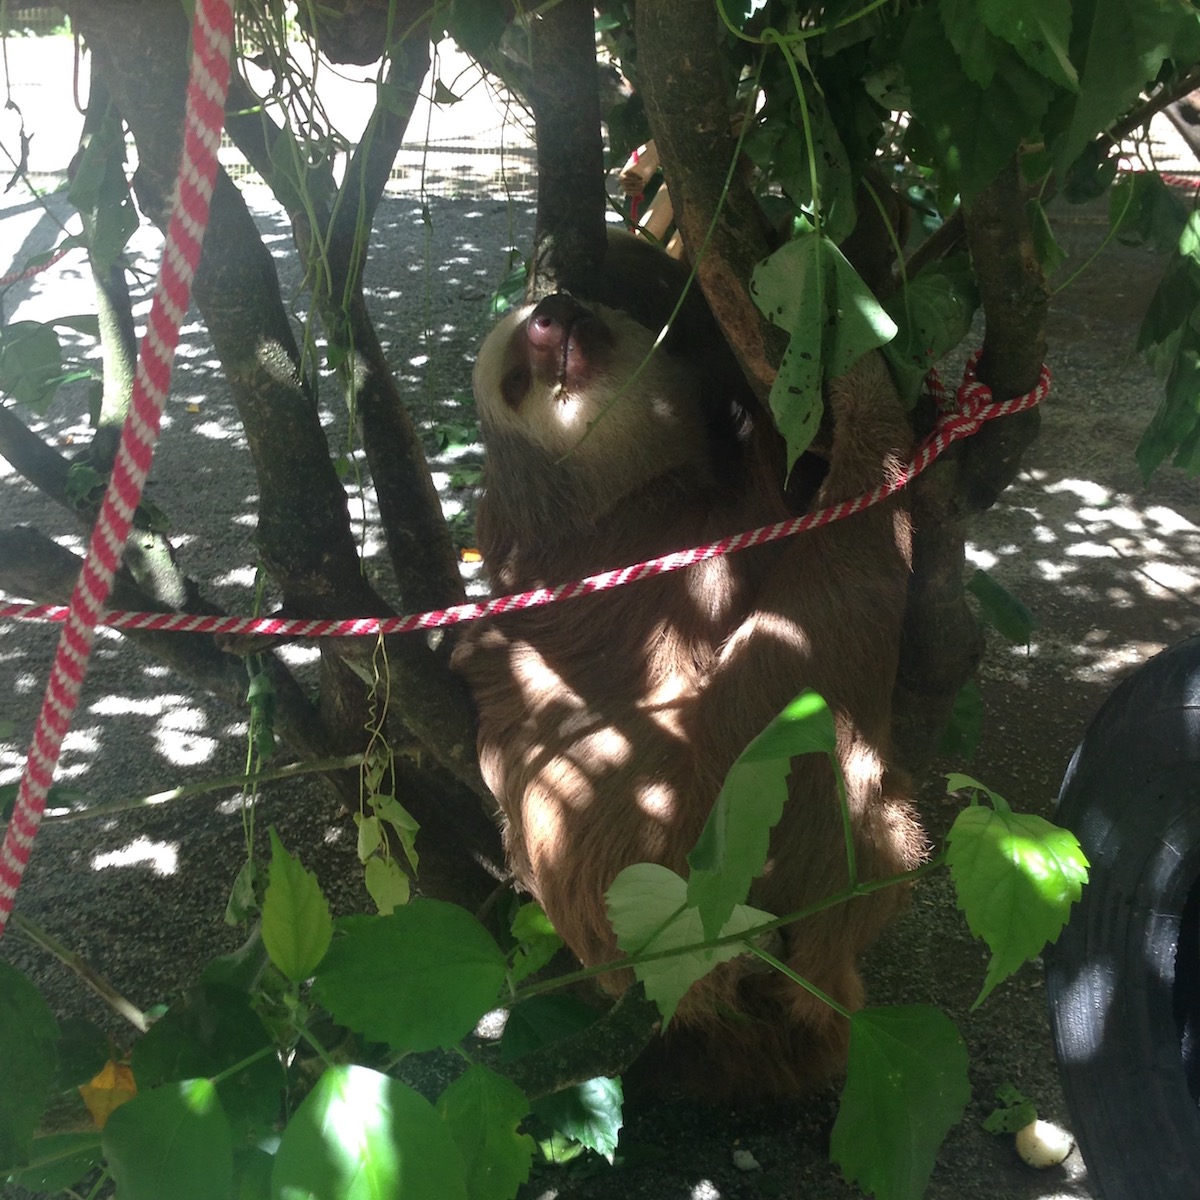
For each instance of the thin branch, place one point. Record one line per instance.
(76, 963)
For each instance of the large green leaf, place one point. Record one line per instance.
(809, 289)
(28, 1063)
(296, 923)
(933, 313)
(361, 1135)
(59, 1160)
(906, 1086)
(171, 1141)
(482, 1111)
(1002, 609)
(1119, 47)
(1038, 30)
(1016, 876)
(418, 978)
(975, 128)
(647, 905)
(732, 847)
(210, 1030)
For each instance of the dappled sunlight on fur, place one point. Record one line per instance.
(608, 723)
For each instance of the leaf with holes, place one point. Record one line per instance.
(809, 289)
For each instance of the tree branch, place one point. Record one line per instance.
(683, 80)
(563, 92)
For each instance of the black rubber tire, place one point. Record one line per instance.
(1121, 985)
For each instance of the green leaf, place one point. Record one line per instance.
(1039, 31)
(28, 1063)
(212, 1029)
(1013, 1112)
(1119, 51)
(404, 825)
(482, 1111)
(83, 1049)
(296, 922)
(733, 845)
(933, 313)
(243, 895)
(1143, 211)
(1016, 876)
(387, 884)
(960, 738)
(30, 363)
(101, 193)
(809, 289)
(538, 942)
(974, 128)
(1002, 609)
(1049, 253)
(1170, 339)
(416, 979)
(171, 1141)
(589, 1113)
(541, 1021)
(906, 1086)
(252, 1174)
(58, 1161)
(361, 1135)
(647, 905)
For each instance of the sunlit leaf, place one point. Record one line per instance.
(1016, 876)
(809, 289)
(172, 1141)
(589, 1113)
(361, 1135)
(732, 847)
(296, 922)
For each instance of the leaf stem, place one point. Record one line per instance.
(806, 984)
(76, 963)
(189, 790)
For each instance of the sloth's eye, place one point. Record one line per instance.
(514, 385)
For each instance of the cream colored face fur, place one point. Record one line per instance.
(628, 403)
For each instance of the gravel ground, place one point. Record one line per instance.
(1106, 565)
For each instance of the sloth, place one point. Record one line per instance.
(607, 723)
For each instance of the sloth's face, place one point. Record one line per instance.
(555, 371)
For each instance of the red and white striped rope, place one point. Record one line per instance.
(212, 39)
(37, 269)
(959, 417)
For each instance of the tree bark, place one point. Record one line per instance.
(563, 91)
(683, 80)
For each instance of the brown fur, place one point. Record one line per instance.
(607, 723)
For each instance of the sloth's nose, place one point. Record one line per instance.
(552, 320)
